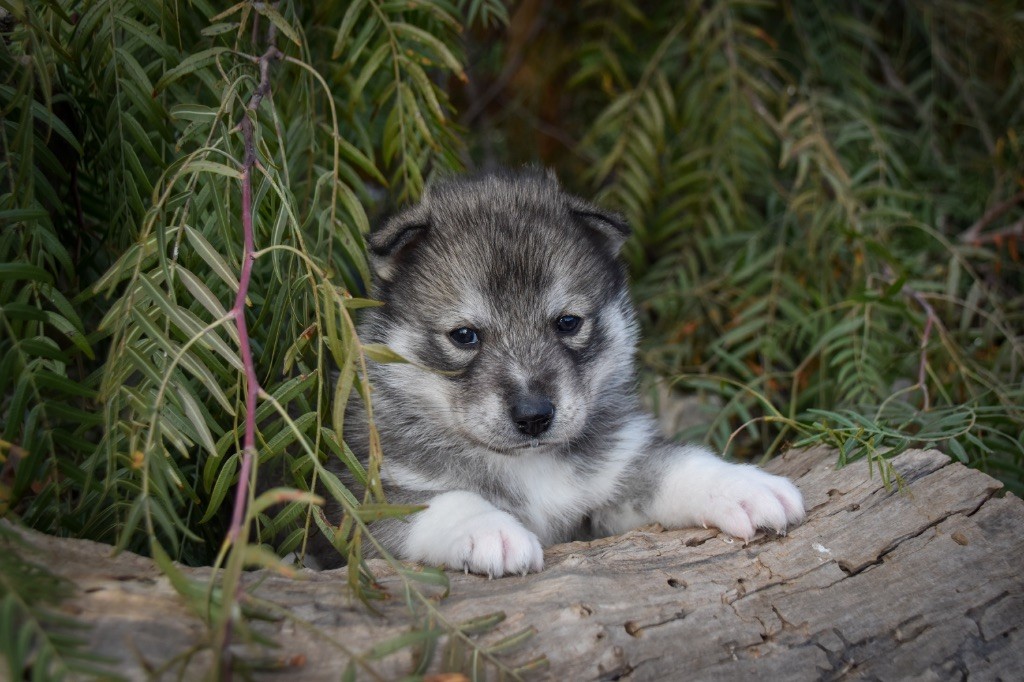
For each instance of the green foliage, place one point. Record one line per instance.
(145, 100)
(121, 255)
(826, 200)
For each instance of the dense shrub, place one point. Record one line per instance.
(827, 203)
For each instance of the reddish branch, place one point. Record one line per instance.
(973, 233)
(251, 383)
(252, 387)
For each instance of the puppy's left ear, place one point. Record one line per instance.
(610, 227)
(396, 239)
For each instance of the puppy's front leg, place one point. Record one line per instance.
(684, 486)
(698, 488)
(460, 529)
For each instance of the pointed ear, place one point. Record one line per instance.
(610, 227)
(393, 241)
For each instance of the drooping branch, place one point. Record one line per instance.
(249, 161)
(248, 248)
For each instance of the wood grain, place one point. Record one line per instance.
(923, 583)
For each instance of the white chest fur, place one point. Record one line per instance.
(553, 491)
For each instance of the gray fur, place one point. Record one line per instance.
(507, 255)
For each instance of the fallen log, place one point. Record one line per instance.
(923, 582)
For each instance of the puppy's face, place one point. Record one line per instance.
(506, 295)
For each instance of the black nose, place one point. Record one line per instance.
(533, 415)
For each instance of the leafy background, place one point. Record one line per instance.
(826, 197)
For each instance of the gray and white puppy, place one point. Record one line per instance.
(531, 433)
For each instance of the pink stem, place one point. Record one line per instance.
(251, 383)
(252, 386)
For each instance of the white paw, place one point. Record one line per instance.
(495, 544)
(744, 499)
(463, 531)
(701, 489)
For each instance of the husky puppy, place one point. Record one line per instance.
(517, 420)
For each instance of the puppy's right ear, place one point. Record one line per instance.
(392, 243)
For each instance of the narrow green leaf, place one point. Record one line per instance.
(381, 353)
(225, 479)
(512, 641)
(372, 511)
(202, 293)
(432, 42)
(279, 21)
(204, 166)
(347, 22)
(342, 451)
(482, 624)
(276, 496)
(260, 557)
(427, 575)
(190, 111)
(197, 419)
(219, 28)
(334, 486)
(390, 646)
(363, 162)
(357, 303)
(20, 271)
(370, 68)
(189, 65)
(212, 258)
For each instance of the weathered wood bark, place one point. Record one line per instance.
(925, 583)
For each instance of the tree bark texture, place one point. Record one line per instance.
(920, 583)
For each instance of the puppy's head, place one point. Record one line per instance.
(513, 289)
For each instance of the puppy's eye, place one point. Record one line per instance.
(464, 337)
(568, 324)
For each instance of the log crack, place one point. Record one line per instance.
(924, 583)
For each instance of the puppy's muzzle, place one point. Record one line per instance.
(533, 415)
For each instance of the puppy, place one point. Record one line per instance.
(517, 420)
